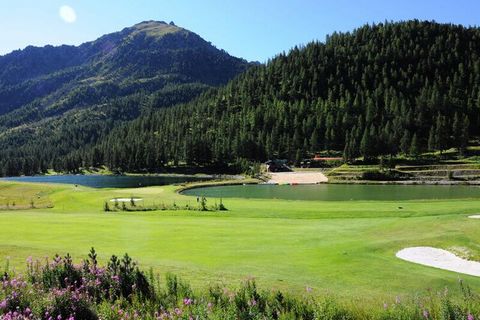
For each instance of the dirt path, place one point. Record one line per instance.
(297, 177)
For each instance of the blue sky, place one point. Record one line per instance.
(252, 29)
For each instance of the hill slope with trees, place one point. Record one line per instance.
(386, 89)
(55, 100)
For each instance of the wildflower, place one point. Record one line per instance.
(385, 305)
(178, 311)
(470, 317)
(3, 304)
(426, 315)
(187, 301)
(308, 289)
(29, 260)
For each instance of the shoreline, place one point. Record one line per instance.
(235, 179)
(409, 182)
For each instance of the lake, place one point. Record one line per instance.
(112, 181)
(339, 192)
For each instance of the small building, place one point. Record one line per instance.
(319, 161)
(319, 158)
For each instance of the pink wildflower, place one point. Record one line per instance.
(426, 315)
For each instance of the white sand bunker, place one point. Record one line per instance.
(441, 259)
(475, 216)
(126, 199)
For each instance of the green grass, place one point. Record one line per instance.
(344, 248)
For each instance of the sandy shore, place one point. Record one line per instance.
(439, 258)
(297, 177)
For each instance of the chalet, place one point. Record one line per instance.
(320, 158)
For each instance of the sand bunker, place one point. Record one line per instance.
(439, 258)
(297, 177)
(125, 199)
(475, 216)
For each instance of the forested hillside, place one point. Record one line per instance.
(387, 89)
(381, 90)
(55, 100)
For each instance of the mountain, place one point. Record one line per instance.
(54, 100)
(386, 89)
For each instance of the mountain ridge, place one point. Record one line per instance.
(151, 60)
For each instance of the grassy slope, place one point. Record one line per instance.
(346, 248)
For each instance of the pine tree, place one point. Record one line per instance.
(432, 146)
(414, 146)
(405, 143)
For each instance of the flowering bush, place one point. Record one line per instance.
(61, 290)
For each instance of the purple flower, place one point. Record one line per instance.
(3, 304)
(426, 315)
(470, 317)
(187, 301)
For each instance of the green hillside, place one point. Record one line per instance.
(381, 90)
(54, 100)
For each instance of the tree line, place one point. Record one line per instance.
(383, 89)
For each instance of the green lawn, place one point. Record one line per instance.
(344, 248)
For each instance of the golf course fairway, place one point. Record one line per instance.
(346, 248)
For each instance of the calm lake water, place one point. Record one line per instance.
(339, 192)
(101, 181)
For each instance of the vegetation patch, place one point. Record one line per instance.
(124, 204)
(120, 290)
(16, 196)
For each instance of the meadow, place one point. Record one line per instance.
(341, 248)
